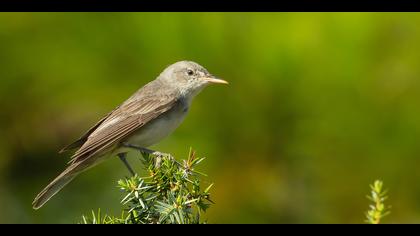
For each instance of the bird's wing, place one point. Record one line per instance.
(130, 116)
(79, 142)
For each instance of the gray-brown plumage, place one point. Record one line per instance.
(145, 118)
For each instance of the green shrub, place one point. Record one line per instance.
(171, 193)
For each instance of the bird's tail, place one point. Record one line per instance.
(55, 186)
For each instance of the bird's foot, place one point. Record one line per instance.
(157, 154)
(148, 151)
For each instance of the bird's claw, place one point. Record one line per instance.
(157, 154)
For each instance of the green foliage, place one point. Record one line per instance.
(378, 209)
(97, 218)
(171, 193)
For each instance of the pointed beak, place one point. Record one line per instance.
(214, 80)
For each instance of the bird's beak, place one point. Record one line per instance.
(214, 80)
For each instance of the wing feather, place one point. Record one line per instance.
(79, 142)
(129, 117)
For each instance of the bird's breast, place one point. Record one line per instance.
(160, 127)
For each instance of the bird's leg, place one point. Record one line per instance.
(123, 158)
(158, 154)
(146, 150)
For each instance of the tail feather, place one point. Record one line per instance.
(54, 187)
(76, 167)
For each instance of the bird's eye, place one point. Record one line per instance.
(190, 72)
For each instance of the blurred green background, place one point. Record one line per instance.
(319, 105)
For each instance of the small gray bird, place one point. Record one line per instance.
(148, 116)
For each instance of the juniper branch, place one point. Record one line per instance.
(169, 193)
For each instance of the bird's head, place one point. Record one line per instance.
(189, 77)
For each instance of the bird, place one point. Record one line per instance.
(145, 118)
